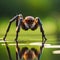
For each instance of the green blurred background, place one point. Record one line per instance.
(47, 10)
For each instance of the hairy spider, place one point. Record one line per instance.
(29, 22)
(26, 23)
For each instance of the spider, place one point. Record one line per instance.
(29, 22)
(26, 23)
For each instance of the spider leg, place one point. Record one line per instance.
(41, 49)
(13, 19)
(8, 50)
(42, 31)
(17, 31)
(43, 37)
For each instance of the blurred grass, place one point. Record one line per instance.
(50, 29)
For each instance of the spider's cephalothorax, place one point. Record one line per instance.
(26, 23)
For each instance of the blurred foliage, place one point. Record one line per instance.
(29, 7)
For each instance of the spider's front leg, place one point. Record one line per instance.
(8, 50)
(13, 19)
(41, 29)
